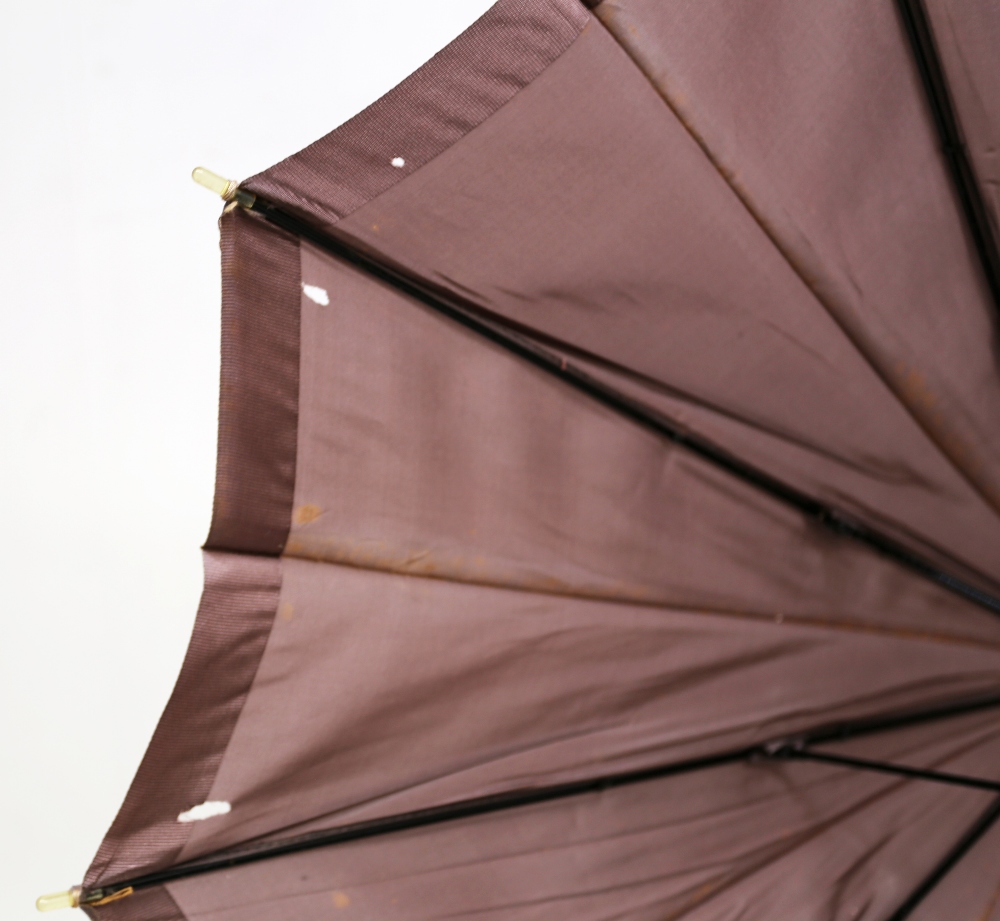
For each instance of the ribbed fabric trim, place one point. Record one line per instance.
(259, 389)
(230, 633)
(437, 105)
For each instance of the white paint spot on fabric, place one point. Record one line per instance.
(205, 811)
(316, 295)
(398, 162)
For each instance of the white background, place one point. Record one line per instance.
(109, 338)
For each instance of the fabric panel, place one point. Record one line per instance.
(868, 860)
(426, 450)
(971, 890)
(383, 693)
(439, 103)
(258, 394)
(817, 120)
(593, 218)
(759, 840)
(230, 633)
(843, 486)
(967, 745)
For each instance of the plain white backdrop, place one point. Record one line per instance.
(109, 340)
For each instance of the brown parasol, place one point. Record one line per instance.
(606, 521)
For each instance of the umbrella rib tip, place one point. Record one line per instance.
(224, 188)
(74, 897)
(54, 900)
(227, 189)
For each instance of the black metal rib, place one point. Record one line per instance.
(420, 818)
(961, 848)
(921, 37)
(852, 729)
(423, 818)
(472, 317)
(885, 767)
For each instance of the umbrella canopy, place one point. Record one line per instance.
(607, 520)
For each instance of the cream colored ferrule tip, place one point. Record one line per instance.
(68, 899)
(225, 188)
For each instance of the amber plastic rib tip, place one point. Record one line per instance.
(224, 188)
(68, 899)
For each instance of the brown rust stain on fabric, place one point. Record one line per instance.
(305, 514)
(990, 906)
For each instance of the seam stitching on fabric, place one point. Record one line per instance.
(796, 620)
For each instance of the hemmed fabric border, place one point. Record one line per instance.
(433, 108)
(255, 481)
(259, 387)
(230, 633)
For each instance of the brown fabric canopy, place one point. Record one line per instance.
(608, 500)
